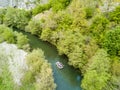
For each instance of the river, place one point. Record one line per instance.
(67, 78)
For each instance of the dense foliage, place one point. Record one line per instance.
(89, 37)
(115, 15)
(56, 5)
(59, 4)
(6, 81)
(2, 13)
(89, 12)
(40, 8)
(10, 36)
(111, 41)
(39, 75)
(16, 18)
(34, 27)
(98, 74)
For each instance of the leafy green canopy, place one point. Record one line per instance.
(8, 35)
(89, 12)
(16, 18)
(75, 32)
(97, 75)
(115, 15)
(34, 26)
(98, 26)
(111, 41)
(40, 8)
(59, 4)
(2, 14)
(39, 76)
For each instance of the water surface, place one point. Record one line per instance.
(67, 78)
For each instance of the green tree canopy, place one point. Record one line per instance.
(111, 41)
(115, 15)
(59, 4)
(21, 40)
(16, 18)
(39, 75)
(97, 75)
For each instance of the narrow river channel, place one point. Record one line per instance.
(67, 78)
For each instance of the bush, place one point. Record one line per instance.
(40, 8)
(22, 40)
(97, 75)
(59, 4)
(2, 14)
(89, 12)
(6, 78)
(9, 36)
(16, 18)
(98, 27)
(6, 34)
(39, 75)
(111, 41)
(115, 15)
(34, 27)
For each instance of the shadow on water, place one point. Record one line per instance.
(67, 78)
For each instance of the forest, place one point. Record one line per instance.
(84, 31)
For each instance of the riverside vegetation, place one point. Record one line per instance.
(81, 30)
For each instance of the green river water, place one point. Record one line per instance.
(67, 78)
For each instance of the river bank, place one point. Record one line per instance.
(67, 78)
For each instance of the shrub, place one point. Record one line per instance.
(40, 8)
(34, 27)
(115, 15)
(7, 34)
(97, 75)
(89, 12)
(111, 41)
(98, 27)
(2, 14)
(22, 40)
(39, 75)
(59, 4)
(16, 18)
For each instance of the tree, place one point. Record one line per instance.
(6, 79)
(34, 27)
(39, 75)
(115, 68)
(97, 75)
(115, 80)
(59, 4)
(111, 41)
(7, 34)
(115, 15)
(17, 20)
(76, 11)
(98, 27)
(89, 12)
(45, 78)
(21, 40)
(40, 8)
(52, 27)
(2, 14)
